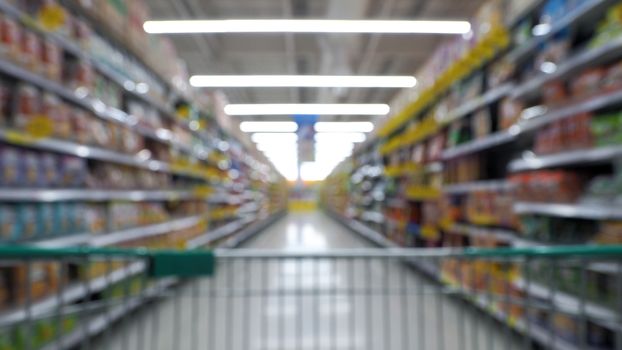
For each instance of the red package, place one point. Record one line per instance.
(5, 103)
(9, 38)
(30, 51)
(52, 60)
(588, 83)
(28, 105)
(613, 78)
(80, 75)
(554, 93)
(81, 125)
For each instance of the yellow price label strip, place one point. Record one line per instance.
(202, 191)
(18, 138)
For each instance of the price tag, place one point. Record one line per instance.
(40, 127)
(52, 16)
(202, 191)
(19, 138)
(183, 111)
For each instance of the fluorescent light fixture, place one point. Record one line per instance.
(306, 26)
(307, 109)
(344, 127)
(274, 137)
(268, 126)
(337, 81)
(340, 138)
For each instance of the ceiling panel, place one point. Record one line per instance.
(308, 53)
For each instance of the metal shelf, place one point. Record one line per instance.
(96, 107)
(585, 13)
(568, 303)
(78, 290)
(81, 151)
(99, 323)
(72, 293)
(478, 231)
(108, 239)
(571, 158)
(89, 152)
(588, 57)
(90, 195)
(489, 185)
(535, 331)
(489, 97)
(372, 216)
(587, 105)
(434, 167)
(578, 211)
(216, 234)
(490, 141)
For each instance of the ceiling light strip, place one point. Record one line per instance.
(307, 109)
(306, 26)
(337, 81)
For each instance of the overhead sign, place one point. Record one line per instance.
(306, 137)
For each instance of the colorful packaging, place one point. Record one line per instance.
(81, 125)
(607, 129)
(554, 93)
(613, 79)
(52, 59)
(50, 170)
(74, 172)
(10, 170)
(33, 176)
(95, 218)
(10, 33)
(588, 83)
(45, 216)
(61, 218)
(28, 105)
(30, 53)
(80, 74)
(29, 220)
(481, 124)
(9, 222)
(102, 133)
(132, 142)
(5, 103)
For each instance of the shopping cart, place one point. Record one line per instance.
(559, 298)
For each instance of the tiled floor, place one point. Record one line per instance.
(276, 303)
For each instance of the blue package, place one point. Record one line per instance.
(45, 216)
(9, 166)
(61, 219)
(9, 223)
(31, 165)
(29, 221)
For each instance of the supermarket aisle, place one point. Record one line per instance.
(319, 303)
(306, 231)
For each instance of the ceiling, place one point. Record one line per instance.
(326, 54)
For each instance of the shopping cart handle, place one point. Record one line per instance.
(181, 263)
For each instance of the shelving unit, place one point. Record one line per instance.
(491, 126)
(154, 167)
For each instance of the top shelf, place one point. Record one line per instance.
(588, 57)
(583, 14)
